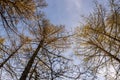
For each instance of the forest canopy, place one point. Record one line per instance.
(33, 48)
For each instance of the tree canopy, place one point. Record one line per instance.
(99, 40)
(32, 48)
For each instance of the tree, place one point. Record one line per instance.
(41, 49)
(12, 12)
(99, 40)
(48, 38)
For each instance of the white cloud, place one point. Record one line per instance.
(73, 5)
(73, 12)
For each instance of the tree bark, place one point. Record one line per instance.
(30, 62)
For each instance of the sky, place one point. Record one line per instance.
(67, 12)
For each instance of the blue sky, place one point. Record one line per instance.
(67, 12)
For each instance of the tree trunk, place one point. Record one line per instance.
(30, 62)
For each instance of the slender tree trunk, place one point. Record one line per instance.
(30, 62)
(2, 64)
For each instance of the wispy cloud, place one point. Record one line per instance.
(72, 5)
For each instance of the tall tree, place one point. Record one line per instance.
(48, 37)
(99, 40)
